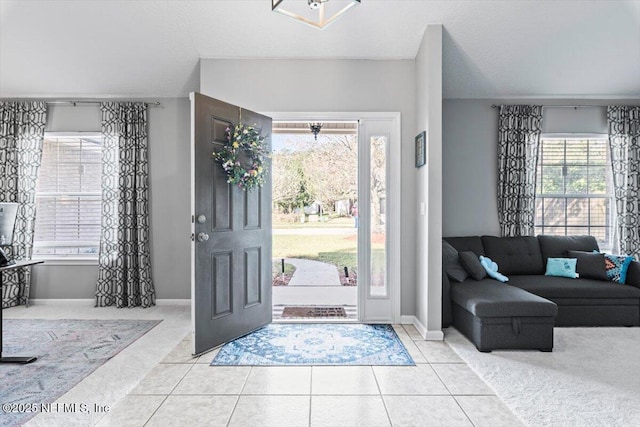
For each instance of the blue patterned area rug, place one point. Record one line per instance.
(316, 344)
(67, 351)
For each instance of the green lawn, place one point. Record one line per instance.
(277, 268)
(330, 249)
(339, 222)
(277, 276)
(336, 250)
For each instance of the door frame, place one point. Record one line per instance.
(394, 199)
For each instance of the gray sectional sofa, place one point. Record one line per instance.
(521, 313)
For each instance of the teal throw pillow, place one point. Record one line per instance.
(492, 269)
(561, 267)
(617, 266)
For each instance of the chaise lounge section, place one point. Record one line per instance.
(499, 316)
(521, 313)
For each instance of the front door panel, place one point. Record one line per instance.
(231, 249)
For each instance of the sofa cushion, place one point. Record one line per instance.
(557, 246)
(560, 287)
(633, 302)
(463, 244)
(452, 264)
(488, 298)
(514, 255)
(471, 263)
(633, 274)
(590, 264)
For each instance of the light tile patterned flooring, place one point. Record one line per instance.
(156, 382)
(441, 390)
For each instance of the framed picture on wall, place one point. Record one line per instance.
(421, 149)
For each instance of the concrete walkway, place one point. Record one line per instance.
(313, 273)
(315, 295)
(314, 283)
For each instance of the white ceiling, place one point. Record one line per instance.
(557, 48)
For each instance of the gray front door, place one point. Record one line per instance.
(231, 249)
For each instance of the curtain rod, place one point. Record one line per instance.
(74, 103)
(564, 106)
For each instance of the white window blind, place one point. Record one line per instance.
(68, 196)
(574, 191)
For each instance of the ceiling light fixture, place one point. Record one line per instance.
(315, 129)
(316, 13)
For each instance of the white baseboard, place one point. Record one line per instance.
(180, 302)
(420, 327)
(91, 301)
(434, 336)
(54, 301)
(426, 334)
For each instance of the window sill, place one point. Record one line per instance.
(66, 260)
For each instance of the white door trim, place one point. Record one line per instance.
(395, 195)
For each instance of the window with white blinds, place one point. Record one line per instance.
(574, 190)
(68, 196)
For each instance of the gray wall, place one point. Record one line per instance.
(469, 168)
(428, 225)
(293, 85)
(169, 151)
(470, 165)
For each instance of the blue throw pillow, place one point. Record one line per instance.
(492, 269)
(561, 267)
(617, 266)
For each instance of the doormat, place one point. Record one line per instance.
(67, 351)
(293, 312)
(316, 344)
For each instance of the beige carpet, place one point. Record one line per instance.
(592, 377)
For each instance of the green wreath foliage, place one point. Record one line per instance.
(249, 172)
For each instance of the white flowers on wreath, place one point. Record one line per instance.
(249, 173)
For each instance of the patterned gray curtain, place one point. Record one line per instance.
(624, 142)
(21, 134)
(519, 128)
(124, 273)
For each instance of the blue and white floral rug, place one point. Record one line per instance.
(316, 344)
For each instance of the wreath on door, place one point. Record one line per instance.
(243, 157)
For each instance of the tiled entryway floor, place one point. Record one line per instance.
(441, 390)
(156, 382)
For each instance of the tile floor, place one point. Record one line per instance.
(111, 382)
(441, 390)
(156, 382)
